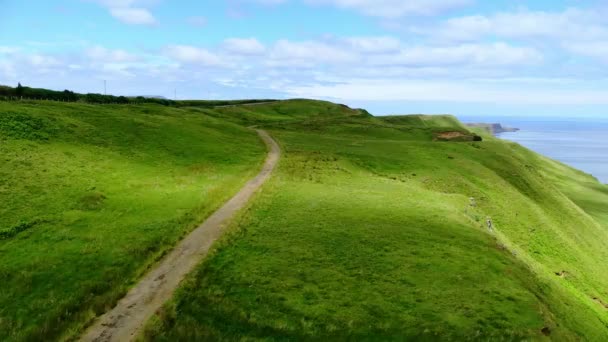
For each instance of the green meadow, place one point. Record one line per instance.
(366, 231)
(92, 195)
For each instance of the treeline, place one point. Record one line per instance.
(26, 93)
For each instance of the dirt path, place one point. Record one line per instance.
(125, 321)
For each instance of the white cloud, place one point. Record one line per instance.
(308, 53)
(593, 49)
(101, 54)
(393, 9)
(462, 91)
(495, 54)
(42, 61)
(379, 68)
(565, 35)
(570, 24)
(8, 50)
(244, 46)
(374, 44)
(118, 70)
(194, 55)
(130, 12)
(134, 16)
(383, 52)
(7, 70)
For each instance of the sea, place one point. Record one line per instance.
(578, 142)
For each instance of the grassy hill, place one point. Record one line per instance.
(366, 231)
(92, 195)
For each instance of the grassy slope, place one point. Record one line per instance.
(91, 195)
(366, 231)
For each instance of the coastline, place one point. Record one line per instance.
(577, 143)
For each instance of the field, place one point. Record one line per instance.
(92, 195)
(367, 232)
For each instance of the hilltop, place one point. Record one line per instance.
(370, 228)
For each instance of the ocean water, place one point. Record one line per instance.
(578, 142)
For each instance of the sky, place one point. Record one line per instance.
(465, 57)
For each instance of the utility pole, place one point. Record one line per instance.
(105, 88)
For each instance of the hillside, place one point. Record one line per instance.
(367, 229)
(92, 195)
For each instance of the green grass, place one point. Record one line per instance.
(436, 122)
(366, 232)
(92, 195)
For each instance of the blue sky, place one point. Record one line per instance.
(467, 57)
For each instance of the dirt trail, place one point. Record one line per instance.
(125, 321)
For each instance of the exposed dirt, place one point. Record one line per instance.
(456, 136)
(450, 135)
(125, 321)
(599, 301)
(562, 274)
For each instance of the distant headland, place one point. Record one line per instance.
(494, 128)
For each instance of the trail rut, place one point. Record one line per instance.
(125, 321)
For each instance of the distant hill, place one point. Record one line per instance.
(154, 97)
